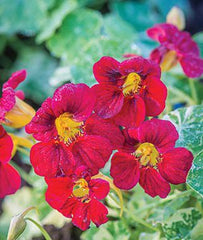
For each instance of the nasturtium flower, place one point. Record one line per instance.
(9, 178)
(70, 136)
(78, 198)
(128, 91)
(175, 46)
(150, 158)
(14, 112)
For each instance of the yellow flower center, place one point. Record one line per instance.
(148, 154)
(81, 189)
(132, 84)
(67, 128)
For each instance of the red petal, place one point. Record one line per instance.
(15, 79)
(153, 183)
(42, 125)
(141, 66)
(99, 187)
(132, 112)
(192, 66)
(58, 191)
(6, 146)
(161, 133)
(109, 100)
(106, 70)
(175, 165)
(50, 159)
(124, 170)
(77, 99)
(7, 102)
(92, 151)
(95, 125)
(155, 97)
(9, 180)
(129, 144)
(98, 212)
(158, 53)
(81, 215)
(20, 94)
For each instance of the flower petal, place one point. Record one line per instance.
(58, 191)
(99, 187)
(9, 180)
(132, 112)
(192, 65)
(42, 125)
(77, 99)
(15, 79)
(95, 125)
(81, 216)
(161, 133)
(155, 97)
(92, 151)
(6, 146)
(175, 165)
(140, 65)
(50, 159)
(124, 170)
(153, 183)
(98, 212)
(109, 100)
(106, 70)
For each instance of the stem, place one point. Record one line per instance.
(138, 220)
(23, 174)
(43, 231)
(193, 90)
(22, 150)
(171, 197)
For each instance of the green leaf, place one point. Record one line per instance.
(74, 34)
(109, 231)
(23, 16)
(189, 124)
(55, 19)
(132, 12)
(40, 67)
(85, 37)
(198, 38)
(179, 226)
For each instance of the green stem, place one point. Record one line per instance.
(171, 197)
(43, 231)
(22, 173)
(193, 90)
(22, 150)
(136, 219)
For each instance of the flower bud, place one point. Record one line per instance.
(176, 17)
(17, 227)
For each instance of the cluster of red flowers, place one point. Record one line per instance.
(79, 128)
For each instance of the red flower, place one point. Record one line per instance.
(13, 111)
(129, 90)
(152, 159)
(176, 46)
(70, 136)
(77, 198)
(9, 178)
